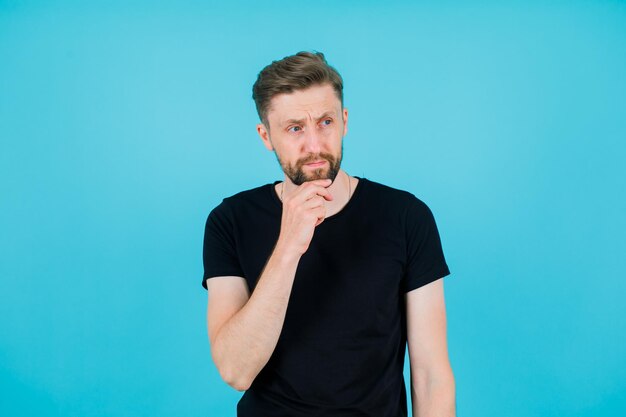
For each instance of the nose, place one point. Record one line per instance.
(313, 141)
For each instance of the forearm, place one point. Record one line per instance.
(246, 341)
(433, 395)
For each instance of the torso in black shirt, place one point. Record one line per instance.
(341, 349)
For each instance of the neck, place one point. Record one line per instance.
(341, 189)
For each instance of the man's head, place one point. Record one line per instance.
(300, 103)
(292, 73)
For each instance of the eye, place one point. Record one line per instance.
(327, 122)
(294, 129)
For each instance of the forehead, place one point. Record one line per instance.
(311, 102)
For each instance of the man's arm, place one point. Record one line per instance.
(244, 329)
(432, 380)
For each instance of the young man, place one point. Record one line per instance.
(316, 283)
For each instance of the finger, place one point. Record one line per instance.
(323, 192)
(323, 182)
(314, 202)
(310, 191)
(319, 190)
(321, 215)
(327, 196)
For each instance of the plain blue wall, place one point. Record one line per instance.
(122, 126)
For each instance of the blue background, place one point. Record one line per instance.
(122, 125)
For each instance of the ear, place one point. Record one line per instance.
(345, 121)
(265, 136)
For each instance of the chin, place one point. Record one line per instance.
(319, 175)
(324, 173)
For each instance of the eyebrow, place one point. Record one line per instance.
(301, 121)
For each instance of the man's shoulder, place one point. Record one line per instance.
(397, 204)
(252, 194)
(387, 194)
(247, 201)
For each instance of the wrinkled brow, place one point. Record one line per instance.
(301, 121)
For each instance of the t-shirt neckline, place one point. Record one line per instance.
(355, 196)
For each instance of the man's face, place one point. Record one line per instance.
(306, 130)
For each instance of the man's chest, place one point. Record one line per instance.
(347, 283)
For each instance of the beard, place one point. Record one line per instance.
(297, 175)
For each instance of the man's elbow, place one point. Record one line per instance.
(232, 372)
(235, 379)
(239, 385)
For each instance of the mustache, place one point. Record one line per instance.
(316, 157)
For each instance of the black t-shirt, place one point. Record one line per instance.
(342, 345)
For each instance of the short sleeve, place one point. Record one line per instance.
(219, 253)
(425, 259)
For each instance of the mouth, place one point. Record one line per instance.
(316, 164)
